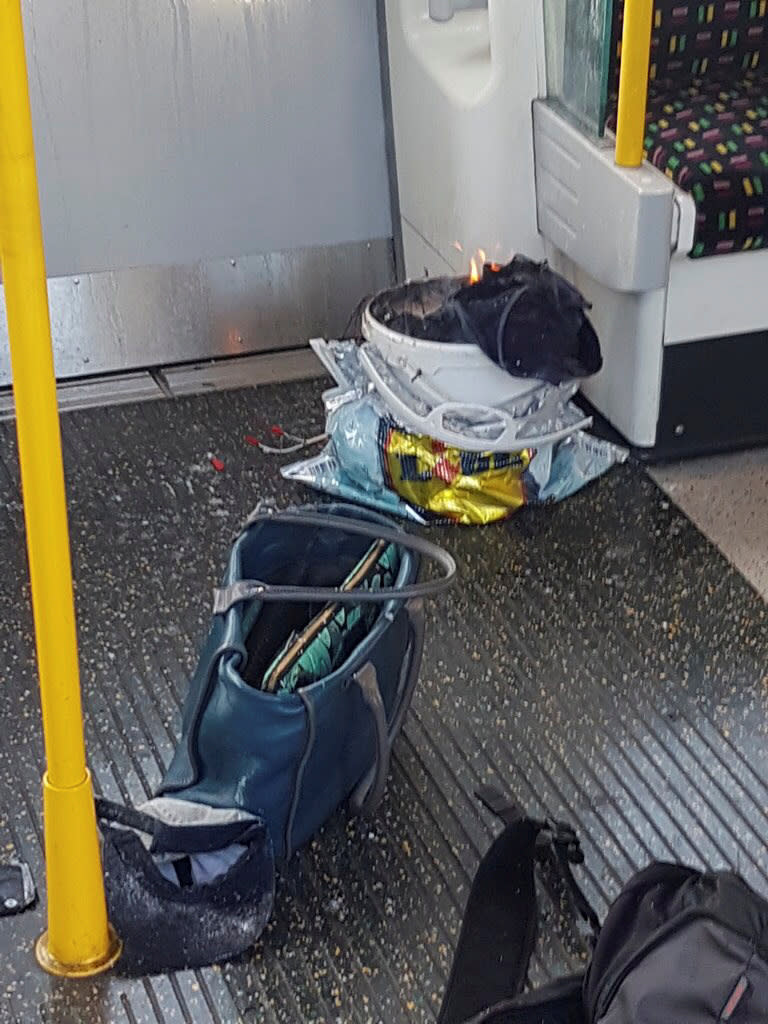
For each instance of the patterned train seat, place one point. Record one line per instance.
(707, 115)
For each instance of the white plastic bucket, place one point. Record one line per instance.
(456, 372)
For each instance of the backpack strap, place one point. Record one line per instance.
(558, 844)
(559, 1002)
(498, 932)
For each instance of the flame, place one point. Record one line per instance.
(458, 247)
(477, 263)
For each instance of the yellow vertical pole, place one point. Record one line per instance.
(633, 83)
(78, 941)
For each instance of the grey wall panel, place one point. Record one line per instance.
(118, 320)
(172, 137)
(172, 131)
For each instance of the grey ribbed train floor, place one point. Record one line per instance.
(600, 658)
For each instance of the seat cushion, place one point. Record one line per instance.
(707, 113)
(716, 39)
(711, 139)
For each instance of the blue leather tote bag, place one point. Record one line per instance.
(334, 586)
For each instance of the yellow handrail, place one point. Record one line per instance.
(633, 82)
(79, 940)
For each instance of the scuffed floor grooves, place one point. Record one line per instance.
(600, 659)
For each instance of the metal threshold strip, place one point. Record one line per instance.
(184, 379)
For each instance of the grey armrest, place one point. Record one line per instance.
(614, 222)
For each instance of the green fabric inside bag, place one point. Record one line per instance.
(331, 636)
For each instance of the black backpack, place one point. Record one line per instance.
(678, 946)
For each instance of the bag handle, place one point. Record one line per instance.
(417, 621)
(369, 791)
(167, 838)
(224, 598)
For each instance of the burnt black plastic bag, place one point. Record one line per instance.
(530, 321)
(526, 318)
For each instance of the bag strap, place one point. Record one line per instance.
(558, 1002)
(556, 843)
(368, 793)
(498, 932)
(566, 850)
(167, 838)
(225, 598)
